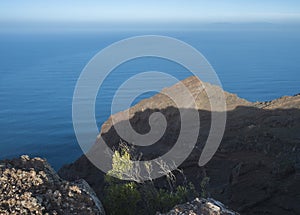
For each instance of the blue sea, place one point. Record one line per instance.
(39, 70)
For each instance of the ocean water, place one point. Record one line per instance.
(38, 74)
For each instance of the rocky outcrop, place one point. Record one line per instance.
(256, 169)
(201, 207)
(31, 186)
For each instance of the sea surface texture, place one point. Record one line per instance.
(39, 70)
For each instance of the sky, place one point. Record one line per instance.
(150, 11)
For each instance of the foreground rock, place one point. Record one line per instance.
(256, 169)
(31, 186)
(200, 207)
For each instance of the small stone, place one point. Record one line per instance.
(75, 189)
(25, 158)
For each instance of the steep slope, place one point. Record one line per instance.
(256, 168)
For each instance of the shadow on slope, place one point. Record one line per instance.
(255, 170)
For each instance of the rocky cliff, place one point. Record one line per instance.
(31, 186)
(256, 169)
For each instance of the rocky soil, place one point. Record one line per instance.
(256, 169)
(31, 186)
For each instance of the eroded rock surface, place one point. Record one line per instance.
(200, 207)
(31, 186)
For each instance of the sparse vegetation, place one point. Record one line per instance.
(138, 197)
(203, 186)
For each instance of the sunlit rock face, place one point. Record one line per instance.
(201, 207)
(31, 186)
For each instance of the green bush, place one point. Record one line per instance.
(162, 200)
(134, 197)
(167, 200)
(121, 198)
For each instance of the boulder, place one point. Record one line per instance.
(31, 186)
(200, 207)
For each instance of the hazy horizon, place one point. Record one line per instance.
(141, 26)
(133, 13)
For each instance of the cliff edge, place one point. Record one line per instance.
(31, 186)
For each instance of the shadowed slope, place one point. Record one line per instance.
(256, 168)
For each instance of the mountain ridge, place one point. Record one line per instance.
(256, 168)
